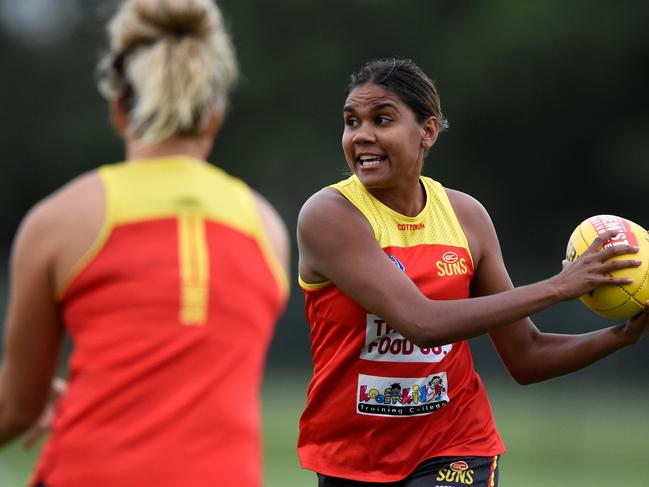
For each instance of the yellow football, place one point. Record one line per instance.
(615, 301)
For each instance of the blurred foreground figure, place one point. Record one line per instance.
(399, 272)
(167, 273)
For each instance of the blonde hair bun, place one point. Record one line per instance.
(171, 61)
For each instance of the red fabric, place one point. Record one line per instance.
(153, 402)
(335, 439)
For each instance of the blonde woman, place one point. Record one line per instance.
(167, 273)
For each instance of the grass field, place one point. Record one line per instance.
(557, 435)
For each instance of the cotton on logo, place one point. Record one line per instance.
(450, 257)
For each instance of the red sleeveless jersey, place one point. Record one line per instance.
(170, 312)
(378, 404)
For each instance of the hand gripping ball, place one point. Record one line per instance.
(615, 301)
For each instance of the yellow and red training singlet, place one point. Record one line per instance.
(378, 404)
(170, 312)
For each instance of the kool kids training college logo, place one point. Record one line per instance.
(384, 344)
(401, 396)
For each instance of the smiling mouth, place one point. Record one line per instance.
(367, 160)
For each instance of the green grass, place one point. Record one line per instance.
(557, 434)
(566, 436)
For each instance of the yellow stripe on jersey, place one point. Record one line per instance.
(194, 267)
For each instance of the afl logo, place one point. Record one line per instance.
(397, 262)
(459, 466)
(450, 257)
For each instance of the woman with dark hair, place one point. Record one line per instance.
(168, 274)
(398, 273)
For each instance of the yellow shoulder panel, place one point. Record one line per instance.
(181, 187)
(435, 224)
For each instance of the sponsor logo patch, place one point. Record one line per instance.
(401, 396)
(384, 344)
(451, 265)
(410, 226)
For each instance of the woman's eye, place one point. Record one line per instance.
(382, 120)
(351, 122)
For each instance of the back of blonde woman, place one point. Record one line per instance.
(167, 273)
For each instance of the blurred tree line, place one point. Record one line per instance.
(547, 102)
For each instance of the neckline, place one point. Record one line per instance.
(396, 214)
(173, 158)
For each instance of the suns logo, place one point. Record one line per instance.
(450, 257)
(451, 264)
(397, 262)
(457, 472)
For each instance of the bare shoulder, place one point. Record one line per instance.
(68, 203)
(328, 218)
(466, 207)
(327, 224)
(330, 208)
(474, 220)
(275, 229)
(64, 225)
(324, 197)
(267, 210)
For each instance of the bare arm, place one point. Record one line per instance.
(530, 355)
(337, 243)
(33, 331)
(50, 241)
(276, 231)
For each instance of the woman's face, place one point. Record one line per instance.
(384, 145)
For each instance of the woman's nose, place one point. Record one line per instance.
(364, 135)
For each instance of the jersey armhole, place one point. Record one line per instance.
(354, 200)
(311, 286)
(456, 220)
(97, 244)
(263, 240)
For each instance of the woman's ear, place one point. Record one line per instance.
(213, 123)
(119, 116)
(430, 130)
